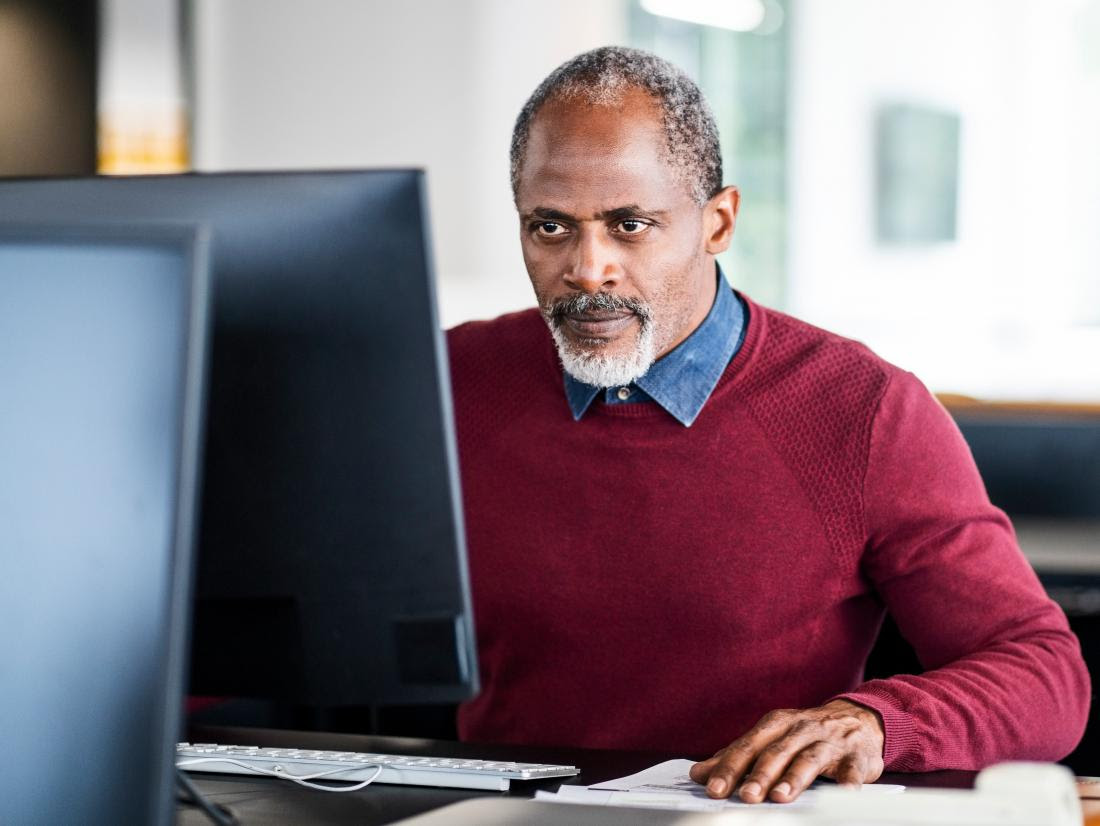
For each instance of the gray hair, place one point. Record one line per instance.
(602, 76)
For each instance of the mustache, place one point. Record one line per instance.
(600, 302)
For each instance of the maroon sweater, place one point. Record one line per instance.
(642, 585)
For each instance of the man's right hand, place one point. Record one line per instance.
(788, 749)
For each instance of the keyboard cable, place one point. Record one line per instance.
(282, 774)
(218, 814)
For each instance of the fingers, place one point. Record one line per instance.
(787, 750)
(804, 769)
(700, 771)
(725, 770)
(850, 772)
(857, 768)
(786, 767)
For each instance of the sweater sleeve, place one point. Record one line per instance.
(1004, 678)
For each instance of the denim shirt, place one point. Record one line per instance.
(682, 380)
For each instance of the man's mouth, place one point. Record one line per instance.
(594, 319)
(599, 324)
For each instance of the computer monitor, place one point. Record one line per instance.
(101, 360)
(331, 559)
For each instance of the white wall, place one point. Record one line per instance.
(1006, 309)
(1012, 308)
(360, 83)
(141, 110)
(139, 66)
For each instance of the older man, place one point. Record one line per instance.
(687, 513)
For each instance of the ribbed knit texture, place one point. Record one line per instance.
(642, 585)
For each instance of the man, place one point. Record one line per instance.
(686, 511)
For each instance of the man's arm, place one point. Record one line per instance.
(1004, 676)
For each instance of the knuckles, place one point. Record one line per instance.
(776, 749)
(819, 753)
(776, 717)
(804, 726)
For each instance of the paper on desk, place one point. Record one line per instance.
(668, 786)
(672, 775)
(597, 797)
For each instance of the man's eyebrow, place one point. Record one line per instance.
(631, 211)
(549, 214)
(616, 214)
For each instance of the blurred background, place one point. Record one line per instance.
(921, 176)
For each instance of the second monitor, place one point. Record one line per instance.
(332, 567)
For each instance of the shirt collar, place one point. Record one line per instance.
(682, 380)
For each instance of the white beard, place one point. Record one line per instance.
(604, 370)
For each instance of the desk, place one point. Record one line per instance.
(270, 801)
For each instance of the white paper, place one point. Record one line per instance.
(670, 775)
(668, 786)
(595, 797)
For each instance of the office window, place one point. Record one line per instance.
(943, 211)
(744, 76)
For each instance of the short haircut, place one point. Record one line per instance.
(602, 76)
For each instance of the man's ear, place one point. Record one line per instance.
(719, 219)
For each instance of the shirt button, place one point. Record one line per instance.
(623, 394)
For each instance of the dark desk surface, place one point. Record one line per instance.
(265, 800)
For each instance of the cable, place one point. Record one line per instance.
(300, 779)
(217, 813)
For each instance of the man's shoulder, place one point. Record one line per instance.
(809, 359)
(816, 395)
(491, 351)
(524, 327)
(502, 368)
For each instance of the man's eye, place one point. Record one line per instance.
(549, 229)
(632, 227)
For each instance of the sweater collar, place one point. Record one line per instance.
(682, 380)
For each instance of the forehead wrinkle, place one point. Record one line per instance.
(597, 183)
(577, 135)
(572, 160)
(572, 129)
(593, 161)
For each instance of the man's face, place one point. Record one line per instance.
(620, 256)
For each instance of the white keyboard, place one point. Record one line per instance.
(360, 767)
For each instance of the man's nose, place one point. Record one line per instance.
(594, 266)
